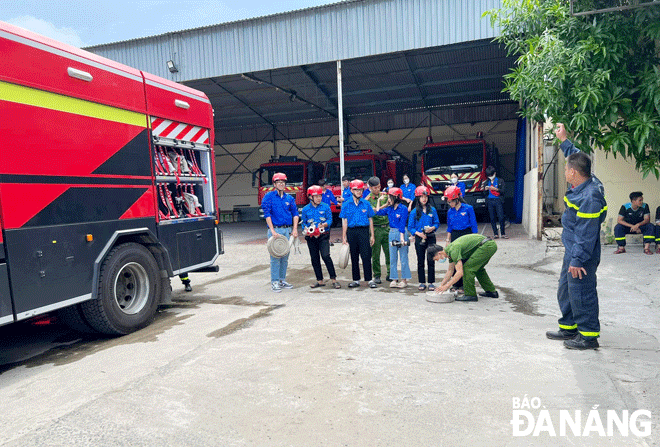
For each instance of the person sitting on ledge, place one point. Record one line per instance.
(634, 217)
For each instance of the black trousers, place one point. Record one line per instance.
(455, 234)
(496, 213)
(319, 247)
(420, 248)
(358, 241)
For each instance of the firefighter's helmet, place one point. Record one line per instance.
(452, 192)
(421, 191)
(396, 192)
(279, 176)
(314, 190)
(357, 184)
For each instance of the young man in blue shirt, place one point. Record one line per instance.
(495, 201)
(358, 232)
(281, 215)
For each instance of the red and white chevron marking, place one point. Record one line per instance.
(179, 131)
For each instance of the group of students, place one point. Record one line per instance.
(635, 218)
(375, 220)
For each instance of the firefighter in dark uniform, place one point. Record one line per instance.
(657, 230)
(585, 211)
(185, 280)
(634, 217)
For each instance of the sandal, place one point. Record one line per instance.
(318, 284)
(620, 250)
(505, 237)
(421, 287)
(336, 285)
(647, 251)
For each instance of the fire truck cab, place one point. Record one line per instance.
(468, 159)
(300, 174)
(106, 186)
(364, 164)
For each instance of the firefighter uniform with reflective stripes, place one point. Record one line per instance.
(657, 229)
(585, 211)
(633, 217)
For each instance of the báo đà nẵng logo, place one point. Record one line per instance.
(531, 418)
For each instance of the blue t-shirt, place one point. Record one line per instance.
(428, 219)
(496, 182)
(281, 210)
(316, 215)
(408, 191)
(356, 215)
(462, 218)
(398, 217)
(328, 197)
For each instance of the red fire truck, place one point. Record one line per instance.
(106, 186)
(466, 158)
(301, 174)
(364, 164)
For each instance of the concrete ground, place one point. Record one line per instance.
(234, 364)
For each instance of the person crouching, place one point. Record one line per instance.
(317, 220)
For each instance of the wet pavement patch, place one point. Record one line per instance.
(522, 303)
(243, 322)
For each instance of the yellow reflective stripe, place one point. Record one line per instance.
(591, 215)
(590, 334)
(38, 98)
(620, 238)
(649, 237)
(572, 205)
(563, 326)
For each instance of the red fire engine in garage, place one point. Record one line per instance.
(468, 159)
(300, 174)
(364, 164)
(106, 186)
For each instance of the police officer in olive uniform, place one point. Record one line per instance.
(585, 211)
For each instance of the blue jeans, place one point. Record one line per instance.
(278, 265)
(395, 235)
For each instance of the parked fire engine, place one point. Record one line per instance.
(300, 174)
(106, 186)
(468, 159)
(364, 164)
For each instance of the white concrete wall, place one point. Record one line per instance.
(531, 203)
(620, 178)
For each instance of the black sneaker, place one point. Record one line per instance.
(377, 280)
(490, 294)
(354, 284)
(561, 334)
(188, 288)
(582, 343)
(373, 284)
(388, 279)
(466, 298)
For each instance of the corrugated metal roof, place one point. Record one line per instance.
(340, 31)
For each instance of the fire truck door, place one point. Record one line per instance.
(6, 314)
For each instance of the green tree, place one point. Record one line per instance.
(599, 74)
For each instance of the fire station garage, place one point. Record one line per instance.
(395, 72)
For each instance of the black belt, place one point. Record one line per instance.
(282, 226)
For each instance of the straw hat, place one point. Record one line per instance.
(278, 247)
(445, 297)
(344, 253)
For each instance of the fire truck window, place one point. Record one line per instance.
(294, 174)
(355, 169)
(448, 159)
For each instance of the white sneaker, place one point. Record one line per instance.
(285, 285)
(276, 286)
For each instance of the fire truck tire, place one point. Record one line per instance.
(128, 291)
(72, 317)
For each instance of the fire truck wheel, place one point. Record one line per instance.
(72, 316)
(127, 291)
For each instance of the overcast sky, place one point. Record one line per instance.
(86, 22)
